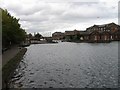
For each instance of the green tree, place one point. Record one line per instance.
(38, 36)
(30, 35)
(12, 33)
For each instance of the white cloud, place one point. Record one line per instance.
(47, 16)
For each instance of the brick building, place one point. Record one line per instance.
(105, 32)
(96, 33)
(57, 36)
(70, 35)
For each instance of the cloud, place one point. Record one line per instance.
(48, 16)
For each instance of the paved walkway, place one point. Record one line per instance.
(9, 54)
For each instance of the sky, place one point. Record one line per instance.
(48, 16)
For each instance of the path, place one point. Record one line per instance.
(9, 54)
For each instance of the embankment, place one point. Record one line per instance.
(8, 69)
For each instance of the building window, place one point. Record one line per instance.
(95, 37)
(111, 37)
(106, 37)
(81, 38)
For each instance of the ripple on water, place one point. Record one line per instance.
(31, 73)
(31, 81)
(88, 65)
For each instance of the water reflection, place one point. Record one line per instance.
(68, 65)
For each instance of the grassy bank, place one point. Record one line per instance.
(8, 69)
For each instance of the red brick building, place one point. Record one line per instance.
(105, 32)
(57, 36)
(96, 33)
(70, 35)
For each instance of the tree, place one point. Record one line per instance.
(38, 36)
(12, 33)
(76, 37)
(30, 35)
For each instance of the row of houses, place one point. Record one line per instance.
(96, 33)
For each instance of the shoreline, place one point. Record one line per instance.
(27, 45)
(9, 68)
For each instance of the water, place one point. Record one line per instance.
(68, 65)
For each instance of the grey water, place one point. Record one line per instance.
(68, 65)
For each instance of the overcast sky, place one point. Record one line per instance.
(48, 16)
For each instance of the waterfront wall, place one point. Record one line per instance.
(8, 69)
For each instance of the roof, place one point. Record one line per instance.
(84, 32)
(103, 25)
(69, 32)
(58, 33)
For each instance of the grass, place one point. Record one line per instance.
(9, 68)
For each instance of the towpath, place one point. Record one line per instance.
(9, 54)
